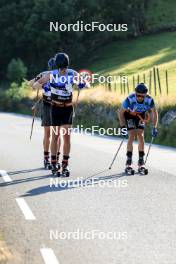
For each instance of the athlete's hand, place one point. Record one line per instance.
(124, 132)
(81, 85)
(154, 132)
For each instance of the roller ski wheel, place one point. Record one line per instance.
(58, 173)
(65, 171)
(142, 170)
(129, 170)
(47, 165)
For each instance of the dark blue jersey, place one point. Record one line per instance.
(132, 104)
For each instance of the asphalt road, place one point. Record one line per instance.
(98, 216)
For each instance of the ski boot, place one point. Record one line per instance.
(141, 167)
(65, 169)
(47, 164)
(129, 169)
(54, 168)
(58, 165)
(46, 161)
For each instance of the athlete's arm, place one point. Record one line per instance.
(44, 78)
(121, 116)
(123, 109)
(33, 82)
(154, 117)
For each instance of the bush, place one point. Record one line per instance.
(16, 70)
(16, 92)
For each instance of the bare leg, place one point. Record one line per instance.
(140, 135)
(66, 149)
(58, 147)
(131, 137)
(66, 138)
(55, 137)
(46, 139)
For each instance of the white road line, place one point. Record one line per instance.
(5, 176)
(48, 256)
(25, 209)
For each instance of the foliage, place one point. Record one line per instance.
(16, 70)
(24, 27)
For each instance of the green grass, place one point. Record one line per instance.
(139, 56)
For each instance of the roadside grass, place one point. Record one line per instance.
(114, 98)
(137, 57)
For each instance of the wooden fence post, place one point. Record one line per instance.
(167, 83)
(150, 82)
(128, 89)
(154, 79)
(144, 77)
(133, 82)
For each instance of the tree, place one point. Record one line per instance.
(16, 70)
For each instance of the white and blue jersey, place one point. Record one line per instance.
(62, 85)
(46, 92)
(133, 105)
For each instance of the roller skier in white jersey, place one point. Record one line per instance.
(133, 115)
(61, 82)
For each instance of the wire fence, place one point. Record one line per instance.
(159, 82)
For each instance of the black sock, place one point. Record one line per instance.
(46, 155)
(141, 158)
(141, 154)
(65, 160)
(66, 157)
(53, 159)
(129, 154)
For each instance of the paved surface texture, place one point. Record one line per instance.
(140, 211)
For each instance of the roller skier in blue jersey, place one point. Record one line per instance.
(133, 115)
(46, 116)
(61, 81)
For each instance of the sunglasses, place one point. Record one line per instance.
(140, 96)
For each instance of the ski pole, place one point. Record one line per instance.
(75, 108)
(149, 149)
(34, 113)
(76, 103)
(33, 119)
(116, 154)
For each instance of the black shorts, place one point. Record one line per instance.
(134, 122)
(61, 115)
(46, 114)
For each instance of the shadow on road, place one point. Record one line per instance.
(24, 171)
(64, 184)
(24, 180)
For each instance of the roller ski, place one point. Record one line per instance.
(142, 170)
(54, 167)
(47, 164)
(141, 167)
(58, 172)
(129, 170)
(65, 169)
